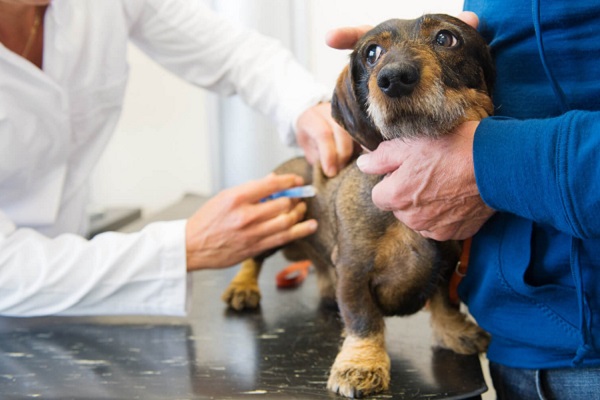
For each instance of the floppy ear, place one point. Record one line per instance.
(346, 110)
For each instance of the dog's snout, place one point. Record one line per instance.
(398, 79)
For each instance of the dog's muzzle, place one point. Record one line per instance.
(399, 78)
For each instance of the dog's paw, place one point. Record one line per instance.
(361, 368)
(242, 295)
(464, 338)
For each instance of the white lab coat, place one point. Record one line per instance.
(55, 124)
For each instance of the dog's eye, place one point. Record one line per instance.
(446, 39)
(374, 51)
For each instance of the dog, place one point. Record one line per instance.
(405, 79)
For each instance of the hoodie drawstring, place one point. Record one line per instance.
(585, 317)
(558, 92)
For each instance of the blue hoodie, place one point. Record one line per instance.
(534, 275)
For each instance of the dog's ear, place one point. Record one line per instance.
(347, 111)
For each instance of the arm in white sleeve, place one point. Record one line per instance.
(203, 48)
(114, 273)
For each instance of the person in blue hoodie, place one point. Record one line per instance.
(525, 184)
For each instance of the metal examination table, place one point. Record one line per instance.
(282, 351)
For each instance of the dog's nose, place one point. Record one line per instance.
(398, 79)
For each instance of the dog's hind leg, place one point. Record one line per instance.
(243, 291)
(452, 329)
(326, 280)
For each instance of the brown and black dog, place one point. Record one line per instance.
(406, 78)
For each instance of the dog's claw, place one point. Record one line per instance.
(240, 297)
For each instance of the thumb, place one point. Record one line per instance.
(469, 18)
(386, 158)
(346, 37)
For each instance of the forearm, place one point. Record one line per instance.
(206, 50)
(141, 273)
(546, 170)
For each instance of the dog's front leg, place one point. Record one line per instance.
(362, 366)
(243, 291)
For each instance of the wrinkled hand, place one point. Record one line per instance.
(323, 140)
(430, 184)
(235, 225)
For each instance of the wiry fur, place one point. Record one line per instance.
(367, 261)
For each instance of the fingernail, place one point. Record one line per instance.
(331, 171)
(362, 161)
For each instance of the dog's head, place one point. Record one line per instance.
(409, 78)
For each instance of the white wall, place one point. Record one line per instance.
(247, 145)
(163, 146)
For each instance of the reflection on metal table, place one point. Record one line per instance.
(282, 351)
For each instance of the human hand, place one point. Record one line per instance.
(430, 183)
(235, 225)
(346, 37)
(323, 140)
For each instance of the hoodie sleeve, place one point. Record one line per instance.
(545, 170)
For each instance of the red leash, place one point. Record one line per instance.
(293, 275)
(459, 272)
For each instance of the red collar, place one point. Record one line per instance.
(459, 272)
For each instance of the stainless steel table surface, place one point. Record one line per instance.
(282, 351)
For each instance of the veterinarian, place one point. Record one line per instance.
(63, 73)
(526, 184)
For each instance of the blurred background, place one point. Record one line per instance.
(174, 138)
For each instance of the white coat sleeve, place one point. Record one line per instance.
(203, 48)
(139, 273)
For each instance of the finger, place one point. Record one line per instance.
(452, 231)
(425, 234)
(309, 146)
(383, 195)
(323, 135)
(295, 232)
(344, 144)
(386, 158)
(254, 191)
(339, 149)
(264, 211)
(346, 37)
(440, 236)
(469, 17)
(280, 222)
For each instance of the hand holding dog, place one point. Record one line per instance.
(430, 184)
(235, 225)
(323, 140)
